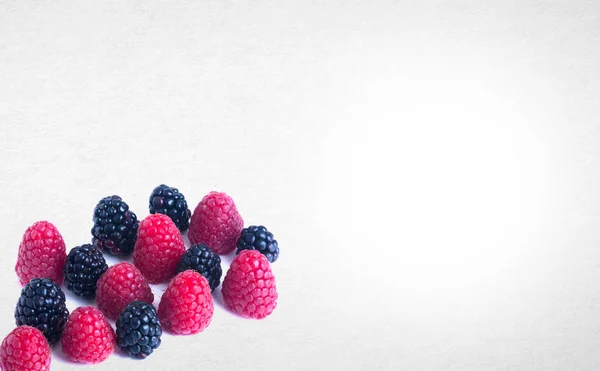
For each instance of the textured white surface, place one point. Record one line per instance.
(430, 169)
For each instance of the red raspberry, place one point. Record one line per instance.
(158, 248)
(42, 253)
(25, 349)
(249, 286)
(88, 337)
(120, 285)
(186, 307)
(216, 222)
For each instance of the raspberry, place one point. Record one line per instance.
(216, 222)
(25, 349)
(120, 285)
(186, 307)
(167, 200)
(158, 248)
(259, 239)
(88, 337)
(42, 305)
(85, 265)
(115, 226)
(249, 286)
(203, 260)
(138, 330)
(42, 253)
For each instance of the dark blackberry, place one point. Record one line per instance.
(260, 239)
(167, 200)
(85, 264)
(138, 329)
(203, 260)
(42, 305)
(115, 226)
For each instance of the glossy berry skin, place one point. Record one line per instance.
(249, 286)
(88, 336)
(216, 222)
(42, 305)
(42, 253)
(25, 349)
(203, 260)
(115, 226)
(260, 239)
(158, 248)
(138, 330)
(85, 264)
(186, 307)
(120, 285)
(168, 201)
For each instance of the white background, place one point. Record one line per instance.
(430, 169)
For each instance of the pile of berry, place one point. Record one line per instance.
(122, 291)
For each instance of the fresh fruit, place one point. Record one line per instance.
(138, 330)
(167, 200)
(42, 253)
(42, 305)
(216, 222)
(25, 349)
(186, 307)
(120, 285)
(249, 286)
(259, 239)
(88, 337)
(158, 248)
(203, 260)
(85, 265)
(115, 226)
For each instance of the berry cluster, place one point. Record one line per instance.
(122, 292)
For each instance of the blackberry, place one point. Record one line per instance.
(260, 239)
(203, 260)
(115, 226)
(85, 264)
(167, 200)
(138, 329)
(42, 305)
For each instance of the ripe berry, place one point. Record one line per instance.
(42, 305)
(88, 337)
(259, 239)
(203, 260)
(25, 349)
(120, 285)
(138, 330)
(115, 226)
(216, 222)
(42, 253)
(85, 265)
(168, 201)
(249, 286)
(186, 307)
(158, 248)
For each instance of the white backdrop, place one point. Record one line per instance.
(430, 169)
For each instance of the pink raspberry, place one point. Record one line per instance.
(158, 248)
(42, 254)
(186, 307)
(216, 222)
(249, 286)
(88, 337)
(25, 349)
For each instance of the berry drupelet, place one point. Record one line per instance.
(138, 330)
(42, 305)
(115, 226)
(167, 200)
(203, 260)
(85, 264)
(260, 239)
